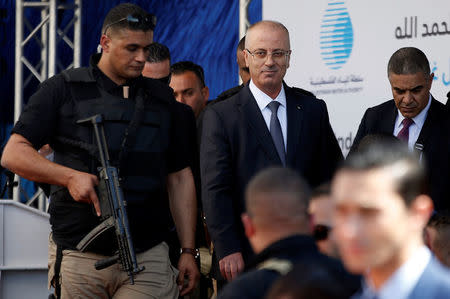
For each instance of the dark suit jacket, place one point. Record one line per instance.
(236, 144)
(434, 136)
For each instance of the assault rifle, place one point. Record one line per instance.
(112, 206)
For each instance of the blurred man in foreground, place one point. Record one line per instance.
(381, 211)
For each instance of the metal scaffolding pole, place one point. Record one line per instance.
(48, 37)
(244, 23)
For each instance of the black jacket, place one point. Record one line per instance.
(256, 281)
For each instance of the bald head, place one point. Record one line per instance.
(266, 25)
(277, 198)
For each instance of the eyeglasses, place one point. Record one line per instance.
(261, 55)
(321, 232)
(147, 22)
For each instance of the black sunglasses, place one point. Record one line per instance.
(147, 22)
(321, 232)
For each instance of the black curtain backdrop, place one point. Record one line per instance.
(203, 31)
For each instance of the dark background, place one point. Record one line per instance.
(203, 31)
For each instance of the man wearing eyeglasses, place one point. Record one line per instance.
(267, 123)
(141, 131)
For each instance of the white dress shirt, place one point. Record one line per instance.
(404, 279)
(415, 128)
(263, 100)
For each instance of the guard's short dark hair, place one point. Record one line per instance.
(184, 66)
(121, 11)
(408, 60)
(403, 165)
(280, 180)
(158, 53)
(370, 139)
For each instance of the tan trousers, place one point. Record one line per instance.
(79, 279)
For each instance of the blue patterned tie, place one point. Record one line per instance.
(275, 131)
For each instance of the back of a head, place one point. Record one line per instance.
(407, 61)
(278, 196)
(313, 280)
(370, 139)
(185, 66)
(158, 53)
(128, 16)
(403, 165)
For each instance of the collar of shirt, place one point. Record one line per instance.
(403, 280)
(416, 127)
(262, 100)
(106, 83)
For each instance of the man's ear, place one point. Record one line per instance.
(249, 228)
(421, 209)
(205, 93)
(105, 42)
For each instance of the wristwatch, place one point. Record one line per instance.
(194, 251)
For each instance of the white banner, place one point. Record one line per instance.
(340, 50)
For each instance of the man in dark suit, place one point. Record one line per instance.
(415, 117)
(381, 210)
(242, 136)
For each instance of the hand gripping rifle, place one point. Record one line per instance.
(112, 206)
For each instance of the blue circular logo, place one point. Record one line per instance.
(336, 35)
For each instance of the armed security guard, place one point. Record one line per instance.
(141, 132)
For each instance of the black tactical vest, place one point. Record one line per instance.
(142, 167)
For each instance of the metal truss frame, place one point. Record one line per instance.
(244, 22)
(48, 36)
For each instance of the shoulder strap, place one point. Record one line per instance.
(82, 74)
(130, 132)
(281, 266)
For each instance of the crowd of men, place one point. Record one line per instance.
(220, 191)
